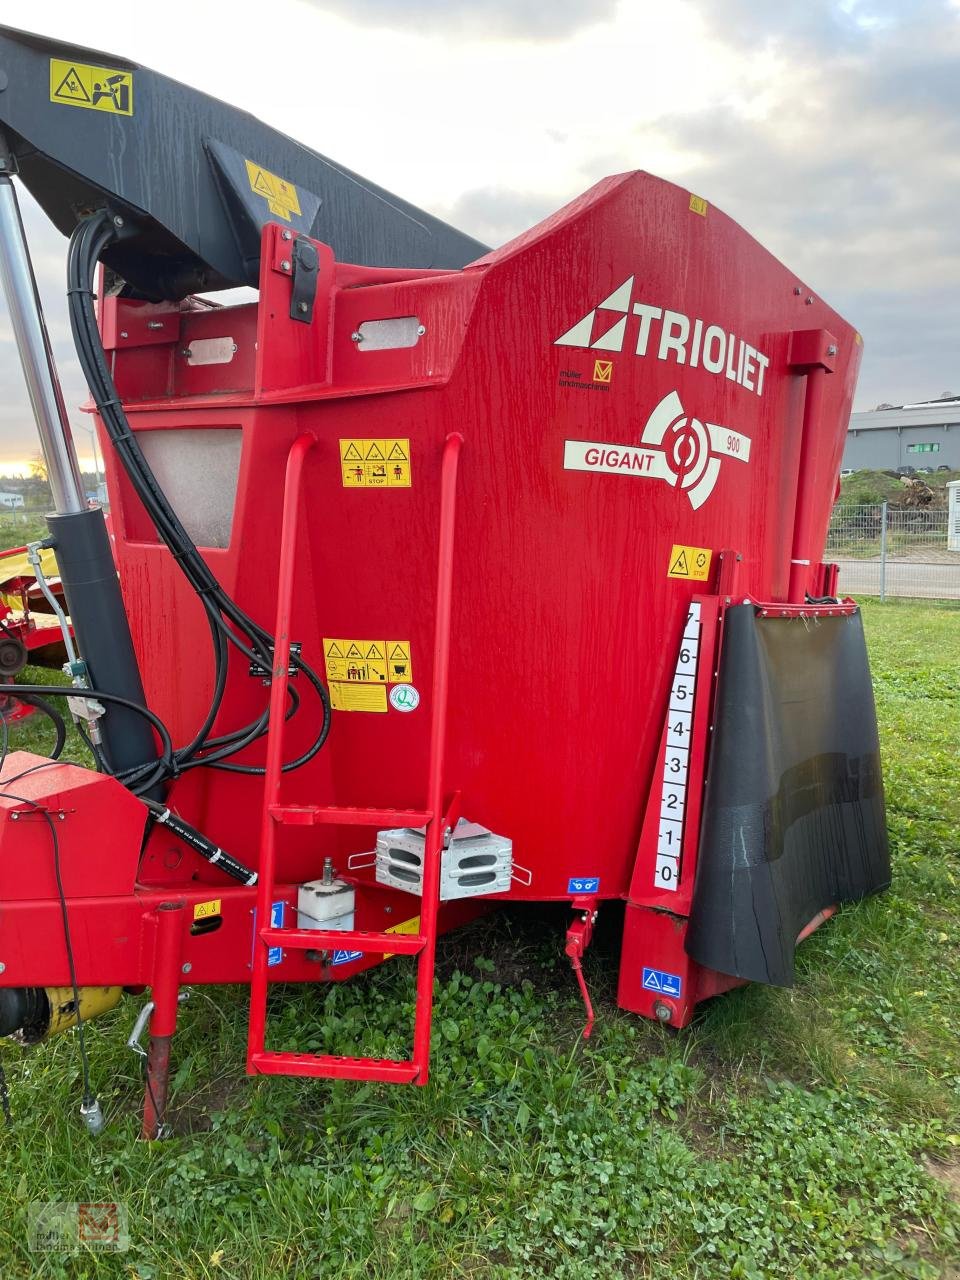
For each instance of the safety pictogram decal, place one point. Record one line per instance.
(77, 84)
(280, 195)
(359, 671)
(375, 464)
(689, 562)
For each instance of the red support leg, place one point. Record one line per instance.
(163, 1021)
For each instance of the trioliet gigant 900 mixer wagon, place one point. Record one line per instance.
(437, 577)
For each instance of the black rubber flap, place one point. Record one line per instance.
(793, 819)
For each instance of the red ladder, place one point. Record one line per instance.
(435, 817)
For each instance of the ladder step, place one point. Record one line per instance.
(311, 815)
(333, 1067)
(405, 944)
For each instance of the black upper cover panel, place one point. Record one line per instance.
(794, 818)
(91, 129)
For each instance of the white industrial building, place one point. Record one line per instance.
(922, 435)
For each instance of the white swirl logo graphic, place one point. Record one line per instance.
(674, 447)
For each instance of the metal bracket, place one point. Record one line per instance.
(306, 266)
(258, 670)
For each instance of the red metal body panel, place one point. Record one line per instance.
(565, 621)
(632, 376)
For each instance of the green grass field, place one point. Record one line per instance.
(810, 1133)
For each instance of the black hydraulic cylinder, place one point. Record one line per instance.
(102, 631)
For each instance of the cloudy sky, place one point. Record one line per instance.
(829, 128)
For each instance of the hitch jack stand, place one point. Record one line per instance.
(163, 1020)
(578, 939)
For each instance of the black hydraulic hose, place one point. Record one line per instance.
(72, 691)
(50, 711)
(206, 848)
(167, 522)
(88, 242)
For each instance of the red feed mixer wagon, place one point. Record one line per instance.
(447, 577)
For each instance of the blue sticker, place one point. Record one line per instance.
(344, 957)
(583, 884)
(275, 954)
(667, 984)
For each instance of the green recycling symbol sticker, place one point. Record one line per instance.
(404, 697)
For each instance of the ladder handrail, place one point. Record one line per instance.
(435, 834)
(293, 481)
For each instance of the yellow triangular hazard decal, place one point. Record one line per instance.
(353, 454)
(680, 567)
(71, 88)
(396, 454)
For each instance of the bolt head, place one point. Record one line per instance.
(118, 221)
(832, 349)
(797, 291)
(187, 966)
(285, 265)
(663, 1011)
(809, 300)
(286, 235)
(421, 330)
(354, 337)
(302, 308)
(3, 967)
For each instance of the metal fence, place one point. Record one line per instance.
(893, 551)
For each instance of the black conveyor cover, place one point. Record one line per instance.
(794, 818)
(194, 179)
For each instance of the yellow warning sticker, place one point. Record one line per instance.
(280, 195)
(405, 926)
(690, 562)
(698, 205)
(357, 697)
(368, 661)
(375, 464)
(76, 84)
(399, 666)
(202, 910)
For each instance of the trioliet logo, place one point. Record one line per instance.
(664, 335)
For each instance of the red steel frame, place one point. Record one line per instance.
(437, 817)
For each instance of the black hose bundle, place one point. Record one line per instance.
(229, 624)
